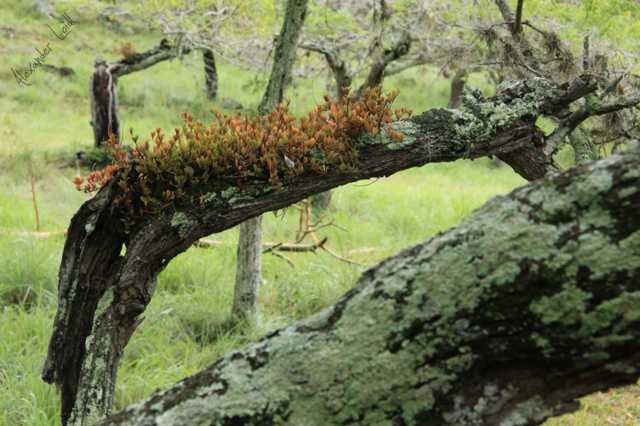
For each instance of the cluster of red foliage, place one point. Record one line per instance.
(271, 147)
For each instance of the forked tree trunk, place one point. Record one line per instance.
(529, 304)
(104, 103)
(249, 258)
(103, 290)
(210, 73)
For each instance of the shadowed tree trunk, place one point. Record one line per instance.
(507, 319)
(210, 73)
(385, 57)
(249, 254)
(103, 290)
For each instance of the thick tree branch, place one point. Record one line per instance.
(531, 303)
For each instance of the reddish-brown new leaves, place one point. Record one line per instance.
(274, 147)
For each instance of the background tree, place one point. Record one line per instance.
(249, 259)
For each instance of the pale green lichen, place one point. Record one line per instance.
(182, 223)
(407, 129)
(480, 117)
(565, 307)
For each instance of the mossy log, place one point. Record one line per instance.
(530, 303)
(104, 289)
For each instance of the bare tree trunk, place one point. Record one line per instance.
(104, 104)
(248, 269)
(507, 319)
(249, 259)
(210, 73)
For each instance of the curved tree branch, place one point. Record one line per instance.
(532, 302)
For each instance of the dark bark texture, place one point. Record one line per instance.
(532, 302)
(104, 105)
(102, 293)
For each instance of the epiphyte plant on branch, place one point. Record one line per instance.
(233, 148)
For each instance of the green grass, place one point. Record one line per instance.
(186, 325)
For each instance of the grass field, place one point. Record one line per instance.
(184, 330)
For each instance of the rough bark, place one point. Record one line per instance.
(249, 254)
(529, 304)
(104, 104)
(92, 262)
(210, 74)
(89, 266)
